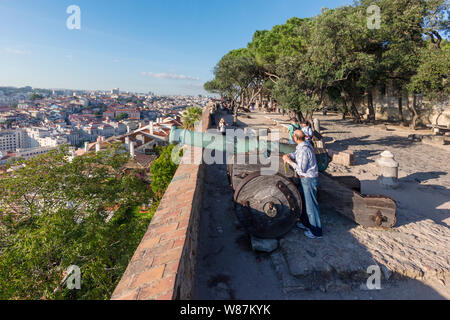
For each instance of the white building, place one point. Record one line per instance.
(35, 136)
(106, 130)
(29, 153)
(10, 140)
(42, 137)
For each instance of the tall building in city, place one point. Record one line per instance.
(115, 91)
(10, 140)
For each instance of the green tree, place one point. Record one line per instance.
(431, 78)
(191, 116)
(162, 171)
(55, 213)
(336, 54)
(406, 24)
(35, 96)
(215, 87)
(122, 116)
(270, 47)
(235, 76)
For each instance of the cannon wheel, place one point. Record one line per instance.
(268, 205)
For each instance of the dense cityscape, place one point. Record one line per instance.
(35, 121)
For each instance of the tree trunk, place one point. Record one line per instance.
(400, 109)
(299, 116)
(235, 113)
(355, 113)
(370, 107)
(246, 100)
(308, 118)
(344, 112)
(415, 116)
(260, 100)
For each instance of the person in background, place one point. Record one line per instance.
(307, 130)
(212, 114)
(304, 162)
(292, 127)
(222, 126)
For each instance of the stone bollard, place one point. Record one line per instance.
(316, 123)
(388, 170)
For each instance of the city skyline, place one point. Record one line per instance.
(169, 48)
(126, 92)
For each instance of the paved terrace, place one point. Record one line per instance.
(196, 249)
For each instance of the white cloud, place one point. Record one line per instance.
(172, 76)
(17, 51)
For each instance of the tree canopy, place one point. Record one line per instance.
(122, 116)
(337, 56)
(162, 171)
(56, 212)
(191, 116)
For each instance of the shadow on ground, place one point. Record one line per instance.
(412, 193)
(332, 268)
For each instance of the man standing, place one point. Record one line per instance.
(303, 161)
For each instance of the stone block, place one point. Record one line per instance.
(345, 158)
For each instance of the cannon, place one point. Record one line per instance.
(266, 196)
(267, 205)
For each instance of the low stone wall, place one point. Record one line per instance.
(386, 108)
(163, 266)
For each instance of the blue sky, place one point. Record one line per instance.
(164, 46)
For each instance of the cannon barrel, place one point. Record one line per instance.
(241, 143)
